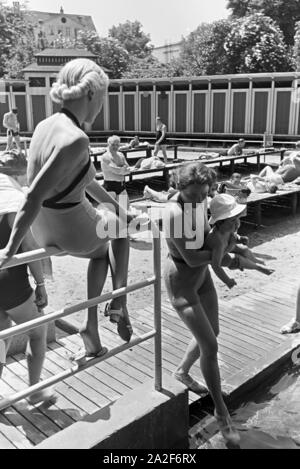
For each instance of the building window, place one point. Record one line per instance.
(68, 32)
(37, 82)
(52, 80)
(63, 20)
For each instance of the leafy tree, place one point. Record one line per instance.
(255, 44)
(17, 36)
(285, 13)
(6, 38)
(111, 54)
(203, 49)
(150, 67)
(131, 36)
(296, 50)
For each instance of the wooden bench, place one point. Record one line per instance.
(287, 198)
(164, 172)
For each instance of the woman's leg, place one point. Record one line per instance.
(267, 171)
(294, 324)
(36, 347)
(96, 276)
(164, 152)
(196, 320)
(209, 300)
(156, 150)
(119, 260)
(5, 323)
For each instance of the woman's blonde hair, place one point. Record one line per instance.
(76, 78)
(113, 139)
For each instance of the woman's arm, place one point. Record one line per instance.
(95, 190)
(54, 170)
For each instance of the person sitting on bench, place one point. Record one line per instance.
(237, 148)
(235, 187)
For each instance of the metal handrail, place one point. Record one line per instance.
(156, 332)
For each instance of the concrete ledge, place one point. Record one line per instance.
(141, 419)
(260, 370)
(18, 343)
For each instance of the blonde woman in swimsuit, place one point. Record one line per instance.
(59, 174)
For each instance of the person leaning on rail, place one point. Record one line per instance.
(59, 175)
(18, 302)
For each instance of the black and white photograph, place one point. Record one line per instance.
(150, 227)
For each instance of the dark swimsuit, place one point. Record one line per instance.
(158, 136)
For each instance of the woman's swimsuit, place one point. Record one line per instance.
(68, 220)
(184, 283)
(158, 136)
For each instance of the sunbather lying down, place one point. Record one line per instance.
(164, 196)
(154, 162)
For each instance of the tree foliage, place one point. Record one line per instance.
(131, 36)
(285, 12)
(110, 53)
(296, 50)
(150, 67)
(17, 43)
(203, 49)
(255, 44)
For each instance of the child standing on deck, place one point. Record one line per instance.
(223, 238)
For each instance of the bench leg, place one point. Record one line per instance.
(175, 154)
(166, 177)
(294, 203)
(258, 215)
(258, 162)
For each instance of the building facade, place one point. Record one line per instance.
(47, 26)
(167, 52)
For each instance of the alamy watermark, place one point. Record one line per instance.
(183, 225)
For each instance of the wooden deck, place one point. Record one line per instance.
(249, 333)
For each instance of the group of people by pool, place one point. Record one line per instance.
(55, 211)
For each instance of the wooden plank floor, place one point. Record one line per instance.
(249, 331)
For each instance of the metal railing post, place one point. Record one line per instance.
(157, 306)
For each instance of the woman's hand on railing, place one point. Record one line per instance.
(41, 297)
